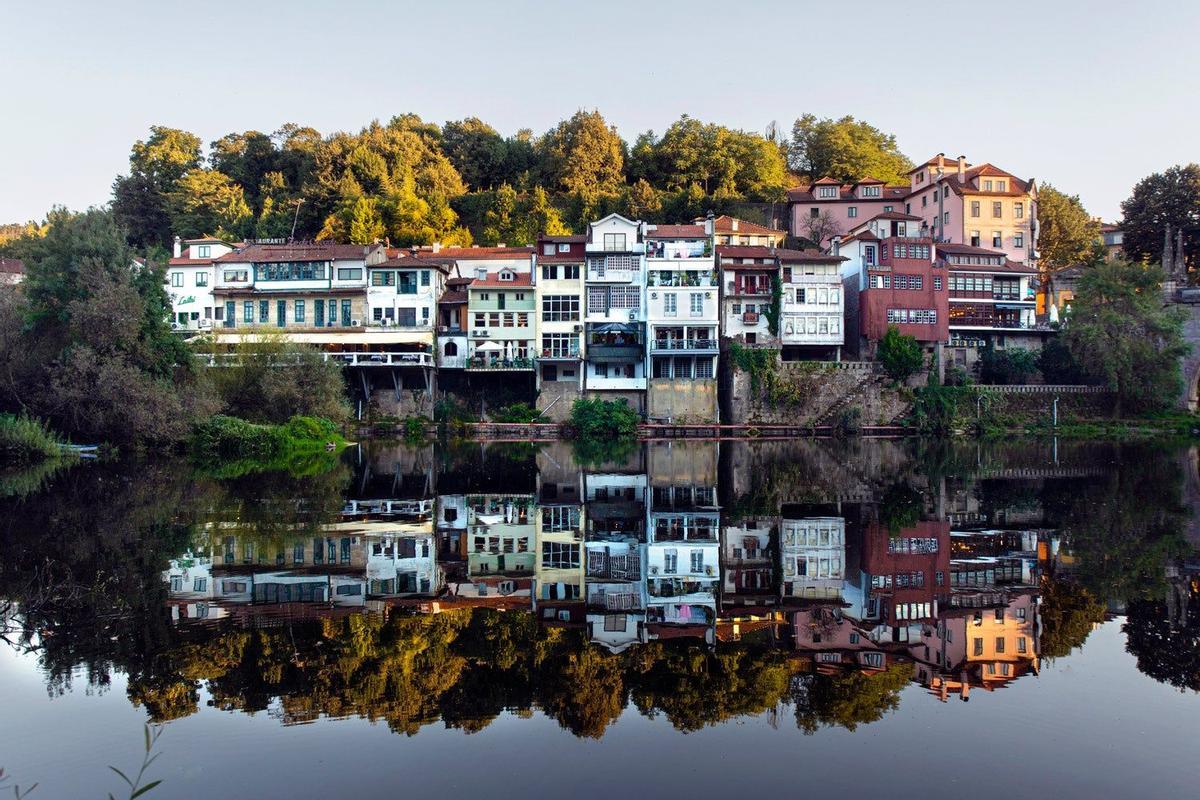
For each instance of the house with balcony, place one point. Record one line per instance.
(979, 206)
(559, 561)
(827, 207)
(453, 324)
(683, 318)
(812, 558)
(559, 264)
(502, 316)
(904, 579)
(403, 292)
(615, 313)
(747, 283)
(402, 561)
(500, 538)
(992, 302)
(749, 554)
(812, 310)
(191, 278)
(891, 278)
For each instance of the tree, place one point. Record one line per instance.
(643, 201)
(584, 157)
(722, 161)
(155, 166)
(366, 224)
(1170, 198)
(900, 355)
(477, 151)
(1069, 612)
(271, 380)
(207, 203)
(821, 228)
(845, 149)
(1067, 236)
(1003, 367)
(246, 158)
(1119, 330)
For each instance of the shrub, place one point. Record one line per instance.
(517, 412)
(1004, 367)
(900, 355)
(229, 438)
(24, 439)
(592, 418)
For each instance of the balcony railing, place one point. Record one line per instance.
(615, 352)
(680, 280)
(684, 344)
(559, 353)
(749, 289)
(500, 364)
(349, 359)
(452, 362)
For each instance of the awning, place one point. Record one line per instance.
(1015, 307)
(614, 327)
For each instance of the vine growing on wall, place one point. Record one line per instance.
(774, 309)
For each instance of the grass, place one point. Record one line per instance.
(24, 440)
(229, 446)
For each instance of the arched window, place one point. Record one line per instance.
(451, 349)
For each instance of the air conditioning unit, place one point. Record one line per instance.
(708, 294)
(633, 316)
(355, 323)
(654, 295)
(578, 328)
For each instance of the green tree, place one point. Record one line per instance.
(140, 199)
(1119, 330)
(477, 151)
(1003, 367)
(1067, 235)
(1069, 612)
(247, 158)
(900, 355)
(643, 201)
(207, 203)
(845, 149)
(584, 157)
(366, 223)
(1170, 198)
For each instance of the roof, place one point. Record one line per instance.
(744, 251)
(466, 253)
(804, 194)
(724, 224)
(298, 251)
(492, 281)
(1015, 187)
(677, 232)
(576, 238)
(12, 266)
(954, 248)
(207, 240)
(453, 296)
(190, 262)
(897, 216)
(933, 162)
(806, 256)
(413, 262)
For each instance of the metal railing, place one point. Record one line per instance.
(684, 344)
(346, 358)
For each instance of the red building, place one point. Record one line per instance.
(907, 572)
(891, 277)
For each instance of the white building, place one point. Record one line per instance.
(615, 317)
(191, 277)
(748, 275)
(403, 293)
(558, 272)
(402, 562)
(683, 315)
(813, 556)
(812, 306)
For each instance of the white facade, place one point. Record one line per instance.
(813, 307)
(683, 304)
(813, 557)
(190, 279)
(404, 295)
(403, 562)
(615, 298)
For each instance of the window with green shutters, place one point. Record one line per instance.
(264, 310)
(281, 313)
(299, 309)
(319, 313)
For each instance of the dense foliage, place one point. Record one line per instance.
(899, 355)
(1009, 366)
(1169, 198)
(593, 418)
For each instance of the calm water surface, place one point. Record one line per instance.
(873, 617)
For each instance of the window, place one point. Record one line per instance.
(550, 271)
(626, 297)
(697, 304)
(997, 209)
(935, 195)
(924, 200)
(975, 239)
(614, 241)
(974, 208)
(999, 644)
(424, 277)
(1022, 645)
(235, 276)
(827, 191)
(977, 645)
(202, 279)
(570, 272)
(547, 250)
(264, 310)
(987, 186)
(597, 302)
(946, 218)
(560, 308)
(697, 564)
(248, 311)
(814, 212)
(1018, 240)
(299, 311)
(1001, 186)
(559, 345)
(176, 279)
(871, 191)
(997, 239)
(937, 283)
(670, 562)
(290, 271)
(869, 254)
(349, 273)
(204, 251)
(669, 301)
(560, 555)
(852, 212)
(1019, 210)
(886, 209)
(381, 278)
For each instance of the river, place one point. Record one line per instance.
(863, 617)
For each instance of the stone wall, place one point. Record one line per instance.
(556, 398)
(635, 399)
(810, 393)
(682, 401)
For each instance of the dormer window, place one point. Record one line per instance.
(507, 275)
(548, 249)
(871, 191)
(987, 186)
(203, 251)
(1001, 186)
(481, 274)
(827, 191)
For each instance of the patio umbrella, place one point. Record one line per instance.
(488, 347)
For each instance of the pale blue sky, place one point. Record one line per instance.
(1089, 96)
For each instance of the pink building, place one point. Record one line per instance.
(827, 208)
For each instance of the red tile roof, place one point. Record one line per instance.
(414, 262)
(804, 194)
(775, 254)
(573, 238)
(897, 216)
(466, 253)
(298, 251)
(190, 262)
(677, 232)
(724, 224)
(743, 251)
(12, 266)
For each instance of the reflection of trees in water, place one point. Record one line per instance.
(1069, 611)
(1166, 645)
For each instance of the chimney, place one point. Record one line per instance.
(734, 223)
(178, 247)
(941, 162)
(835, 245)
(708, 223)
(437, 247)
(962, 169)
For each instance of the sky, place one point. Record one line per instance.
(1088, 96)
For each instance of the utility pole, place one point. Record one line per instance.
(296, 219)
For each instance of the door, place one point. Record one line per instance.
(230, 310)
(319, 313)
(281, 313)
(549, 373)
(500, 300)
(345, 313)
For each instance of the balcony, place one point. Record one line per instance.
(613, 269)
(452, 362)
(688, 345)
(560, 353)
(750, 317)
(657, 277)
(615, 353)
(498, 364)
(754, 289)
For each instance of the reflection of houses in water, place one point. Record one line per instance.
(813, 557)
(499, 546)
(835, 641)
(904, 572)
(559, 521)
(190, 587)
(615, 554)
(748, 562)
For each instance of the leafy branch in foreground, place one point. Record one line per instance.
(136, 788)
(17, 793)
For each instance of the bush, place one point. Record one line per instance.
(1006, 367)
(900, 355)
(517, 412)
(1058, 365)
(229, 438)
(603, 419)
